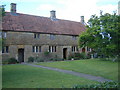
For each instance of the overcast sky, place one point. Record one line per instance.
(65, 9)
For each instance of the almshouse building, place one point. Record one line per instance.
(30, 36)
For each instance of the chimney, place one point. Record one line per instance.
(13, 8)
(52, 15)
(82, 20)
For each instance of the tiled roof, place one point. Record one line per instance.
(30, 23)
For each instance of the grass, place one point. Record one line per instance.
(23, 76)
(106, 69)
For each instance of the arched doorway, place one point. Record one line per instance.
(64, 53)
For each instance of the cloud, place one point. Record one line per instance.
(74, 9)
(45, 7)
(68, 9)
(108, 8)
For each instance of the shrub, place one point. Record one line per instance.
(12, 61)
(30, 59)
(100, 85)
(77, 56)
(71, 56)
(46, 53)
(38, 59)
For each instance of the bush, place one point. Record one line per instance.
(100, 85)
(71, 56)
(12, 61)
(46, 53)
(77, 56)
(30, 59)
(38, 59)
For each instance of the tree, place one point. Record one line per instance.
(102, 35)
(2, 13)
(2, 10)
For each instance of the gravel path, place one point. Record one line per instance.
(87, 76)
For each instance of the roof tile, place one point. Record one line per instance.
(30, 23)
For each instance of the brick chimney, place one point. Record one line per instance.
(52, 14)
(13, 8)
(82, 20)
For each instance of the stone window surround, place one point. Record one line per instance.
(74, 37)
(4, 34)
(5, 49)
(36, 49)
(52, 48)
(74, 48)
(52, 36)
(36, 35)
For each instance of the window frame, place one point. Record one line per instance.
(36, 49)
(74, 37)
(4, 34)
(52, 49)
(74, 48)
(5, 49)
(36, 35)
(52, 36)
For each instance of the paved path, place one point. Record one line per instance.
(87, 76)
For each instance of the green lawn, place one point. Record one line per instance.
(106, 69)
(23, 76)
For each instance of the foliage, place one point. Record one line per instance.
(46, 53)
(2, 11)
(10, 61)
(55, 59)
(38, 59)
(102, 35)
(30, 59)
(77, 56)
(100, 85)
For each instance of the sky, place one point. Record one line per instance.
(65, 9)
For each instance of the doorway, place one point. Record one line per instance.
(64, 53)
(21, 55)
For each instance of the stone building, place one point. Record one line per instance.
(30, 36)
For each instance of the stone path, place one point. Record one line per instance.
(87, 76)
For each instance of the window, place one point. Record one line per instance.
(4, 34)
(74, 37)
(88, 49)
(36, 35)
(52, 37)
(5, 49)
(52, 48)
(74, 48)
(36, 49)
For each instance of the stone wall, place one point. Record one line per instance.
(26, 40)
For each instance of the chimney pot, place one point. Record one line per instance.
(13, 7)
(82, 20)
(53, 14)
